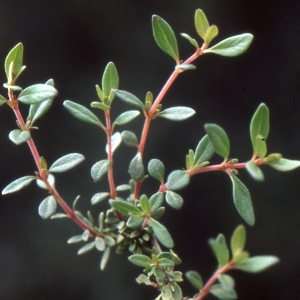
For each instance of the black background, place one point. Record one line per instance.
(71, 42)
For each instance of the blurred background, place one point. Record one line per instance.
(71, 42)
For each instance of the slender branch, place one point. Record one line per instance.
(205, 290)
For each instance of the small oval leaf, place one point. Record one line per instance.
(178, 113)
(99, 169)
(201, 23)
(204, 151)
(165, 37)
(174, 200)
(47, 207)
(129, 138)
(195, 279)
(218, 139)
(254, 171)
(82, 113)
(284, 165)
(156, 169)
(242, 200)
(161, 233)
(18, 184)
(126, 117)
(116, 140)
(136, 168)
(257, 264)
(177, 180)
(66, 162)
(232, 46)
(129, 98)
(18, 136)
(110, 79)
(37, 93)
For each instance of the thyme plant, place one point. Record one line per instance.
(132, 222)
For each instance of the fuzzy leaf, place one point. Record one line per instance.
(129, 138)
(37, 93)
(165, 37)
(204, 151)
(129, 98)
(218, 139)
(220, 250)
(259, 130)
(232, 46)
(66, 162)
(283, 164)
(201, 23)
(75, 239)
(82, 113)
(18, 184)
(257, 264)
(211, 33)
(161, 233)
(110, 79)
(178, 113)
(145, 204)
(174, 200)
(254, 171)
(242, 200)
(47, 207)
(156, 169)
(105, 258)
(125, 207)
(190, 39)
(238, 240)
(177, 180)
(126, 117)
(99, 169)
(156, 200)
(136, 168)
(195, 279)
(18, 136)
(87, 247)
(116, 140)
(140, 260)
(15, 56)
(99, 197)
(100, 105)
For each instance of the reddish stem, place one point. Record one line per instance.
(205, 290)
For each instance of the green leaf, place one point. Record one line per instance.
(166, 293)
(165, 262)
(100, 93)
(161, 233)
(242, 200)
(159, 274)
(66, 162)
(36, 111)
(75, 239)
(87, 247)
(220, 250)
(15, 56)
(18, 184)
(232, 46)
(283, 164)
(145, 204)
(177, 293)
(259, 130)
(211, 33)
(219, 139)
(204, 151)
(140, 260)
(224, 290)
(110, 79)
(99, 197)
(2, 100)
(178, 113)
(18, 136)
(195, 279)
(190, 39)
(100, 243)
(185, 67)
(238, 240)
(135, 222)
(82, 113)
(257, 264)
(129, 138)
(105, 258)
(136, 168)
(254, 171)
(47, 207)
(50, 180)
(37, 93)
(174, 200)
(99, 169)
(100, 105)
(165, 37)
(125, 207)
(156, 200)
(156, 169)
(177, 180)
(116, 140)
(126, 117)
(129, 98)
(201, 23)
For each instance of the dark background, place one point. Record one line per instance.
(71, 42)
